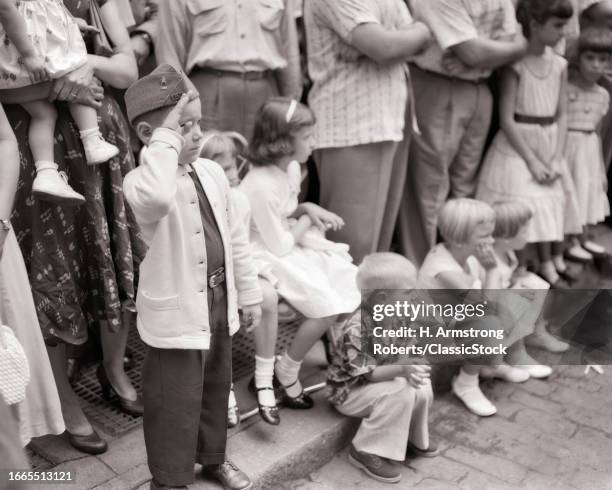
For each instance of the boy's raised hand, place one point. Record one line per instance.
(173, 119)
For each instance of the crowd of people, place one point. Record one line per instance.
(154, 162)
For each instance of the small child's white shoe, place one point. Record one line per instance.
(512, 374)
(579, 253)
(97, 150)
(474, 399)
(537, 371)
(594, 248)
(51, 185)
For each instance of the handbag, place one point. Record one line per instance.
(101, 43)
(14, 368)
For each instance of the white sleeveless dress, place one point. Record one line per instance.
(505, 176)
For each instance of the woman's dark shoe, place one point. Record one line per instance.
(270, 415)
(131, 407)
(300, 402)
(570, 275)
(90, 444)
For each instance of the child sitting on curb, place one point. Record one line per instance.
(392, 400)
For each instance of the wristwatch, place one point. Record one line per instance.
(5, 224)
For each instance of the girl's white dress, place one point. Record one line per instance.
(242, 210)
(505, 176)
(318, 282)
(586, 108)
(40, 413)
(55, 36)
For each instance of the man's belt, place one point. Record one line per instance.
(216, 278)
(539, 121)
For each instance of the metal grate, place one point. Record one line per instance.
(108, 417)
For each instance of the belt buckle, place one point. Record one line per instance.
(216, 278)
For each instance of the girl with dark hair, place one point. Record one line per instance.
(314, 275)
(525, 161)
(588, 104)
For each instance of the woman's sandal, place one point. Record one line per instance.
(270, 415)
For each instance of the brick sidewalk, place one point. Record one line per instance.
(553, 434)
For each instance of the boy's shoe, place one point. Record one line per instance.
(544, 340)
(474, 399)
(537, 371)
(512, 374)
(374, 466)
(228, 475)
(431, 452)
(98, 151)
(51, 185)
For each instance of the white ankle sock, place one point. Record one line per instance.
(89, 134)
(465, 379)
(264, 371)
(44, 165)
(232, 398)
(287, 371)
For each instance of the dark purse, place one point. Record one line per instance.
(101, 43)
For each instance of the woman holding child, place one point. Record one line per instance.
(81, 260)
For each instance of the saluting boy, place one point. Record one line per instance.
(197, 270)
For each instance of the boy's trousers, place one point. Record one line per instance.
(393, 413)
(185, 398)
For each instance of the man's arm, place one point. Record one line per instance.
(173, 33)
(290, 77)
(387, 47)
(489, 53)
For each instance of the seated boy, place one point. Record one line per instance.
(392, 400)
(187, 302)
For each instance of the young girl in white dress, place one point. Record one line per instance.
(315, 275)
(588, 104)
(526, 160)
(465, 261)
(222, 147)
(511, 219)
(42, 41)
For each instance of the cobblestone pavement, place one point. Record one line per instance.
(553, 434)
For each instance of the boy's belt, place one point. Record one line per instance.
(216, 278)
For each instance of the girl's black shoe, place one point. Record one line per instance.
(270, 415)
(301, 402)
(131, 407)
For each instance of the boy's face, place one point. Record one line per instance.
(189, 125)
(593, 65)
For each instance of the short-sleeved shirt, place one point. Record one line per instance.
(453, 22)
(356, 100)
(349, 364)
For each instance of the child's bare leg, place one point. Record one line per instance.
(557, 250)
(96, 149)
(265, 342)
(48, 184)
(288, 367)
(547, 267)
